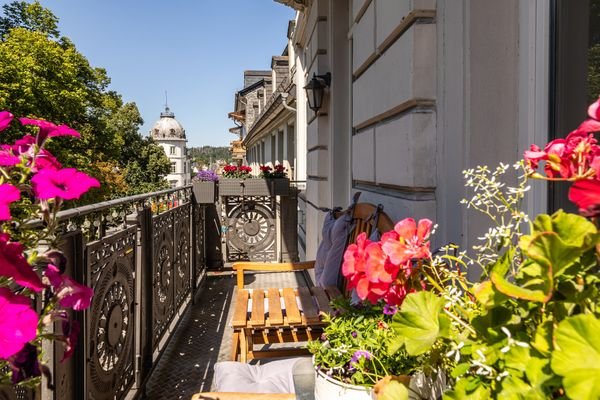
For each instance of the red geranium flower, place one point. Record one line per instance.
(586, 195)
(18, 323)
(410, 241)
(67, 183)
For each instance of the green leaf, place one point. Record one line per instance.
(468, 388)
(487, 295)
(542, 340)
(421, 321)
(498, 277)
(577, 356)
(393, 390)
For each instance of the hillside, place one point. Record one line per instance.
(203, 155)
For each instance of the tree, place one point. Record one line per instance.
(44, 76)
(31, 16)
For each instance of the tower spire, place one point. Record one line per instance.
(166, 101)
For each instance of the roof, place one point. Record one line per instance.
(167, 127)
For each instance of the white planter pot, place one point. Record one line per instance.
(327, 389)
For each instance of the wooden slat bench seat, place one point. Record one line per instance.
(286, 315)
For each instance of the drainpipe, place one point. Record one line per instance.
(284, 97)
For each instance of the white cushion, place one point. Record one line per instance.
(271, 377)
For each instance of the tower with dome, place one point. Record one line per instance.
(170, 135)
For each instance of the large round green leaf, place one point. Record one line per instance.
(577, 356)
(421, 321)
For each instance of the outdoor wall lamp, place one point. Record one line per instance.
(315, 90)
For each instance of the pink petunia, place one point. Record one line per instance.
(18, 323)
(14, 265)
(8, 194)
(7, 158)
(70, 293)
(67, 183)
(71, 331)
(48, 129)
(5, 120)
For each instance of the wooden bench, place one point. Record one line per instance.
(286, 315)
(289, 315)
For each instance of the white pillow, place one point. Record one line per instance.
(270, 377)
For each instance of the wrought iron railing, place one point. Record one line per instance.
(143, 256)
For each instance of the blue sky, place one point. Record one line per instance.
(197, 50)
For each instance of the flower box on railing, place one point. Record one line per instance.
(254, 187)
(205, 192)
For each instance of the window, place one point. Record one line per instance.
(172, 151)
(173, 168)
(575, 75)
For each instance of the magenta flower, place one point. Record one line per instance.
(67, 183)
(70, 293)
(71, 331)
(25, 364)
(5, 120)
(14, 265)
(7, 159)
(8, 194)
(48, 129)
(18, 323)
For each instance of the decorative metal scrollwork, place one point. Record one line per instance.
(182, 253)
(162, 274)
(251, 231)
(111, 318)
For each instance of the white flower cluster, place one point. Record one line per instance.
(501, 203)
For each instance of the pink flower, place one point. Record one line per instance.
(8, 194)
(379, 267)
(67, 183)
(71, 331)
(48, 129)
(18, 323)
(7, 159)
(45, 160)
(411, 241)
(593, 123)
(5, 120)
(354, 265)
(25, 364)
(586, 195)
(70, 293)
(14, 265)
(533, 156)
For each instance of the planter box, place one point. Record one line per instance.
(205, 192)
(254, 187)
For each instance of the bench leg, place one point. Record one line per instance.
(243, 346)
(235, 347)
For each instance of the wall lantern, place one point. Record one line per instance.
(315, 90)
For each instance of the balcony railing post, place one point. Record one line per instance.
(145, 223)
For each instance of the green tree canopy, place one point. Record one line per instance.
(44, 76)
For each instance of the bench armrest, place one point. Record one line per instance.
(240, 267)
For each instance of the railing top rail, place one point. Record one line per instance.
(104, 205)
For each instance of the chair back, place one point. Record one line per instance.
(365, 218)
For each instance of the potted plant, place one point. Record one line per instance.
(205, 187)
(277, 179)
(234, 178)
(529, 328)
(34, 186)
(360, 345)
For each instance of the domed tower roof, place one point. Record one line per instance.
(167, 127)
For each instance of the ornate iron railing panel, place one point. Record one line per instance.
(142, 255)
(110, 322)
(162, 274)
(182, 249)
(251, 228)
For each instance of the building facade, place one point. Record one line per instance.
(170, 135)
(423, 89)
